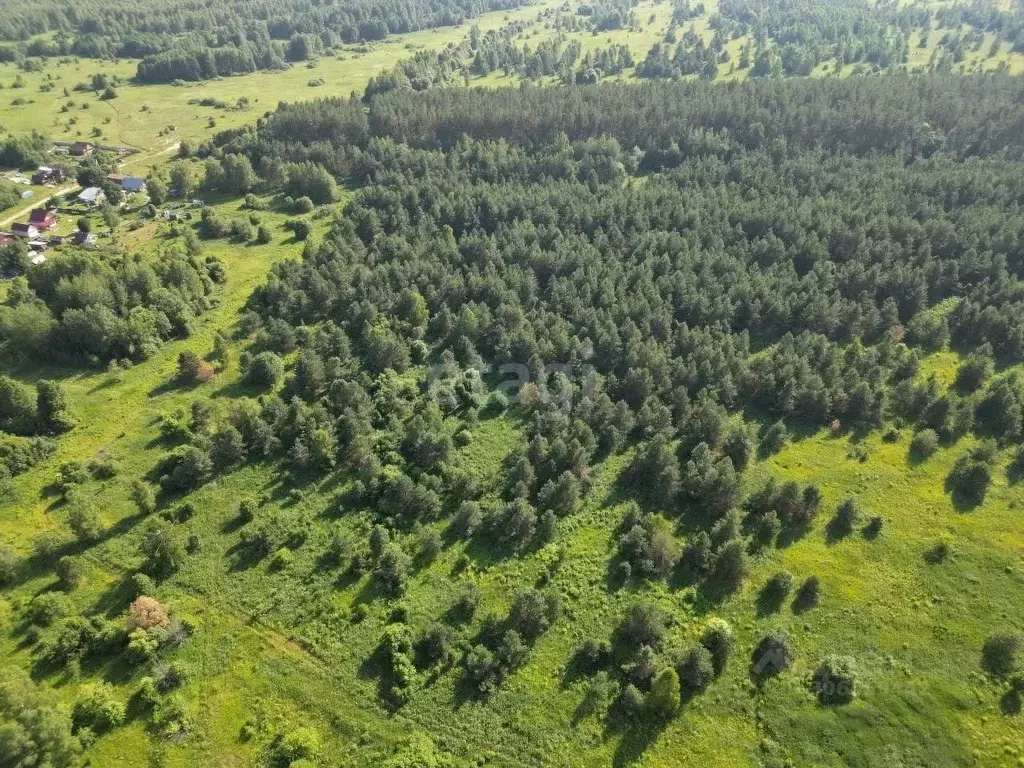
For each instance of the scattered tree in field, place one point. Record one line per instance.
(835, 680)
(999, 653)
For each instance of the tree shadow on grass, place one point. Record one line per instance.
(836, 531)
(1010, 702)
(637, 735)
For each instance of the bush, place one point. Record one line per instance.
(696, 669)
(973, 372)
(10, 566)
(663, 699)
(147, 613)
(834, 681)
(970, 477)
(303, 205)
(777, 587)
(532, 613)
(69, 572)
(773, 655)
(266, 369)
(46, 608)
(301, 228)
(435, 646)
(391, 571)
(98, 709)
(731, 566)
(718, 639)
(189, 364)
(999, 654)
(808, 595)
(85, 523)
(263, 234)
(497, 402)
(774, 438)
(847, 516)
(642, 625)
(924, 444)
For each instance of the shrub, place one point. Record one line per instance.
(808, 595)
(162, 554)
(69, 572)
(147, 613)
(391, 571)
(467, 520)
(777, 587)
(731, 566)
(300, 744)
(924, 444)
(46, 608)
(532, 613)
(435, 646)
(265, 369)
(497, 402)
(773, 654)
(696, 669)
(142, 646)
(999, 653)
(643, 624)
(429, 546)
(970, 477)
(142, 496)
(834, 681)
(263, 234)
(85, 523)
(282, 558)
(466, 603)
(189, 364)
(774, 438)
(973, 372)
(663, 699)
(631, 701)
(10, 566)
(718, 639)
(847, 516)
(98, 709)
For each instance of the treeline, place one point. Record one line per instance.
(237, 34)
(84, 309)
(915, 117)
(497, 51)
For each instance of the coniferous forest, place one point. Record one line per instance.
(569, 393)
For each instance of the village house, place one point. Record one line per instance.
(23, 229)
(83, 239)
(128, 184)
(42, 219)
(82, 149)
(47, 175)
(37, 246)
(91, 196)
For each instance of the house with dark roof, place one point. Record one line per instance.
(83, 239)
(22, 229)
(42, 219)
(46, 175)
(82, 148)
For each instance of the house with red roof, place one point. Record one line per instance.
(41, 219)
